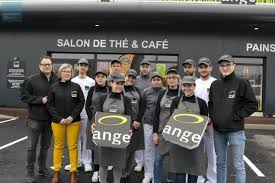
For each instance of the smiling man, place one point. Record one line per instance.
(231, 99)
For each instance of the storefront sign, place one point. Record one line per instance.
(248, 2)
(260, 47)
(15, 73)
(185, 129)
(112, 43)
(112, 130)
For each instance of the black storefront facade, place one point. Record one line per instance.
(165, 34)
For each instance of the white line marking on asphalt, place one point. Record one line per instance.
(253, 167)
(5, 121)
(12, 143)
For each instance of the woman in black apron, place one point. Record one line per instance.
(162, 114)
(183, 161)
(117, 103)
(137, 139)
(94, 94)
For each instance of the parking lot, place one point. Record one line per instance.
(259, 156)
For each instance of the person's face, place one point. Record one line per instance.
(226, 68)
(172, 80)
(156, 82)
(117, 87)
(188, 89)
(116, 67)
(204, 70)
(189, 69)
(66, 74)
(83, 68)
(145, 69)
(100, 79)
(130, 80)
(45, 66)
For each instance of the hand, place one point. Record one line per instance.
(69, 120)
(45, 99)
(93, 126)
(156, 138)
(136, 124)
(210, 122)
(131, 132)
(63, 121)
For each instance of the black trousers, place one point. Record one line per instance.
(38, 130)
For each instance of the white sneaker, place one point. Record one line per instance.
(110, 168)
(68, 167)
(147, 180)
(88, 168)
(95, 177)
(138, 168)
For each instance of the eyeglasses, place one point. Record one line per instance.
(67, 72)
(173, 77)
(46, 65)
(225, 65)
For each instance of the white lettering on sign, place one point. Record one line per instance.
(260, 47)
(115, 138)
(112, 43)
(183, 135)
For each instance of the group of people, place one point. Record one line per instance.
(66, 107)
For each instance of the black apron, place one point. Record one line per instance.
(164, 146)
(137, 139)
(109, 156)
(94, 107)
(182, 160)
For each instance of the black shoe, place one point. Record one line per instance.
(45, 173)
(30, 177)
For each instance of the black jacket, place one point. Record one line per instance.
(231, 99)
(65, 99)
(33, 89)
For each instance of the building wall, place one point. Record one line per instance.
(29, 45)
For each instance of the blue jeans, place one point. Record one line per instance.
(181, 178)
(237, 142)
(158, 169)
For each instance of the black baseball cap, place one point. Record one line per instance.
(83, 61)
(117, 77)
(145, 61)
(116, 61)
(172, 71)
(226, 57)
(188, 80)
(155, 74)
(204, 60)
(101, 71)
(189, 61)
(132, 72)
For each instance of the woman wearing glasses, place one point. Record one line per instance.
(65, 102)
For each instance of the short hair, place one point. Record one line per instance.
(64, 66)
(177, 75)
(45, 57)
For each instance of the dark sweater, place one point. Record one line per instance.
(97, 88)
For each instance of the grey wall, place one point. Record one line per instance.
(30, 45)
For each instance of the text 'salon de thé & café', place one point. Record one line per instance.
(164, 32)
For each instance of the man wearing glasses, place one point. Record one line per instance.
(231, 99)
(34, 92)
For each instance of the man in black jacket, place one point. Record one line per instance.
(34, 92)
(231, 99)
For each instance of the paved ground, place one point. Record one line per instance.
(260, 150)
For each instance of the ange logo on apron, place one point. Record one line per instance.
(112, 130)
(185, 129)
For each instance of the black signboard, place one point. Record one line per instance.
(112, 130)
(15, 73)
(245, 2)
(185, 129)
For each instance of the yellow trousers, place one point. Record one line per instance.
(59, 134)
